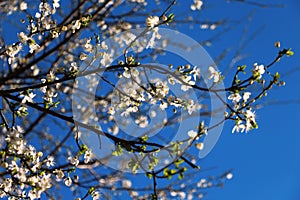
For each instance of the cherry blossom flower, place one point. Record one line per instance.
(21, 110)
(27, 97)
(204, 26)
(73, 67)
(192, 134)
(73, 160)
(68, 181)
(197, 5)
(200, 146)
(106, 60)
(33, 46)
(126, 183)
(34, 194)
(163, 105)
(235, 97)
(239, 127)
(23, 6)
(214, 74)
(246, 96)
(23, 37)
(12, 50)
(56, 3)
(59, 174)
(82, 56)
(229, 176)
(130, 72)
(88, 156)
(196, 73)
(50, 161)
(96, 195)
(258, 70)
(152, 21)
(155, 35)
(171, 80)
(142, 121)
(188, 80)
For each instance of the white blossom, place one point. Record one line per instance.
(163, 105)
(192, 134)
(23, 37)
(34, 194)
(204, 26)
(155, 35)
(197, 5)
(152, 21)
(27, 97)
(75, 26)
(96, 195)
(239, 127)
(188, 81)
(87, 46)
(200, 146)
(73, 67)
(50, 161)
(59, 174)
(73, 160)
(229, 176)
(23, 5)
(106, 60)
(68, 181)
(246, 96)
(195, 72)
(56, 3)
(82, 56)
(126, 183)
(12, 50)
(235, 97)
(258, 70)
(142, 121)
(33, 46)
(214, 74)
(88, 156)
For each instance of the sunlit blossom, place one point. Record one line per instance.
(151, 21)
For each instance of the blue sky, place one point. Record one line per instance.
(266, 161)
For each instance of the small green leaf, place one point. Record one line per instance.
(166, 172)
(149, 175)
(180, 176)
(170, 17)
(289, 52)
(91, 190)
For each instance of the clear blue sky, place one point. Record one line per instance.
(265, 162)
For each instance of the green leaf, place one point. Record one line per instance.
(289, 52)
(153, 197)
(118, 150)
(166, 172)
(149, 175)
(91, 190)
(171, 17)
(180, 176)
(134, 165)
(144, 138)
(178, 162)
